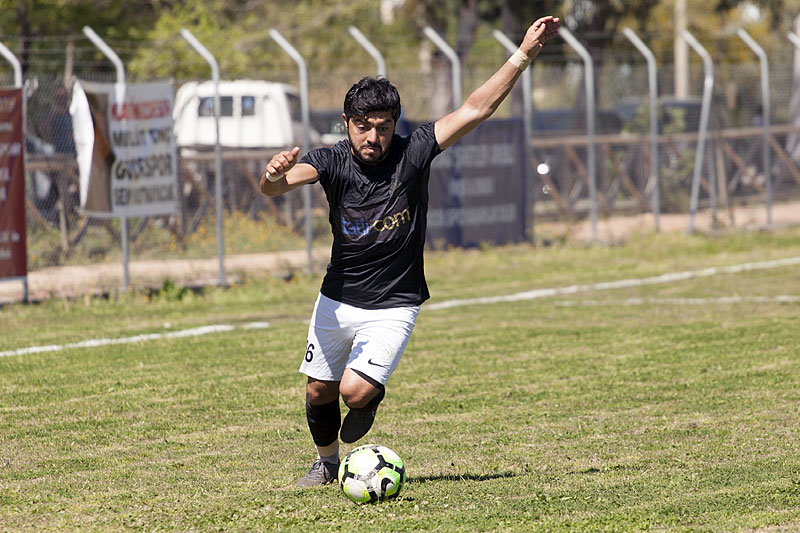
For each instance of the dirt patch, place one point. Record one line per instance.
(616, 229)
(107, 278)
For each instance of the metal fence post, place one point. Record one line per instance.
(15, 64)
(527, 118)
(119, 89)
(455, 62)
(652, 82)
(705, 111)
(766, 110)
(303, 73)
(11, 58)
(792, 139)
(212, 62)
(590, 126)
(370, 48)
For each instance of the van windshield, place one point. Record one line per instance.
(248, 106)
(206, 107)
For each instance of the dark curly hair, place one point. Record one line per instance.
(372, 94)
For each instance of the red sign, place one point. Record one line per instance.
(13, 253)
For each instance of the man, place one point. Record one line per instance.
(376, 185)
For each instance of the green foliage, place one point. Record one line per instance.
(774, 7)
(146, 31)
(676, 181)
(718, 26)
(59, 17)
(239, 38)
(675, 175)
(31, 22)
(171, 57)
(170, 291)
(242, 234)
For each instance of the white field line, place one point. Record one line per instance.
(92, 343)
(723, 300)
(620, 284)
(527, 295)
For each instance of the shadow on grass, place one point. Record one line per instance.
(611, 468)
(462, 477)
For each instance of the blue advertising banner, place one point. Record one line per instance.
(477, 188)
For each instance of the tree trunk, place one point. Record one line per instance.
(443, 85)
(604, 19)
(467, 23)
(681, 52)
(434, 64)
(24, 22)
(442, 99)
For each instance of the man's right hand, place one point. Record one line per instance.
(275, 179)
(282, 162)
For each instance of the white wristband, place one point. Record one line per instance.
(275, 178)
(520, 59)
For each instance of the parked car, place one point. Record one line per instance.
(329, 124)
(253, 114)
(568, 121)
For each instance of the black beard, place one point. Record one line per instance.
(360, 159)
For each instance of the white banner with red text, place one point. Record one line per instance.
(126, 149)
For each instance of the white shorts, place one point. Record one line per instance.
(341, 336)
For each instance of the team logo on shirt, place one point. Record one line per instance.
(359, 227)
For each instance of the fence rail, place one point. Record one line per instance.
(626, 183)
(624, 186)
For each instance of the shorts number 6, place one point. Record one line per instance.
(309, 352)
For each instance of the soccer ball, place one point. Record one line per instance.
(371, 473)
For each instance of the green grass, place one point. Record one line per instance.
(577, 413)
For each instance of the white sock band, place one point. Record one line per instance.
(520, 59)
(331, 450)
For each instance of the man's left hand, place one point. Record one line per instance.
(539, 33)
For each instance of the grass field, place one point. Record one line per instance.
(669, 406)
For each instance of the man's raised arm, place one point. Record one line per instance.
(482, 103)
(282, 173)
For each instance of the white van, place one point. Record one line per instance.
(253, 114)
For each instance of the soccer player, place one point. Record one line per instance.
(376, 185)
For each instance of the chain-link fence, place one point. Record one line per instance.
(60, 235)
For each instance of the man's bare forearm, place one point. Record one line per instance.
(484, 101)
(487, 98)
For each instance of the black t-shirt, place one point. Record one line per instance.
(378, 219)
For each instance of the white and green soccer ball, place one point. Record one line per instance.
(371, 473)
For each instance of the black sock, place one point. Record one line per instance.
(323, 421)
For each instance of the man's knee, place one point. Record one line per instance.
(356, 398)
(321, 392)
(360, 391)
